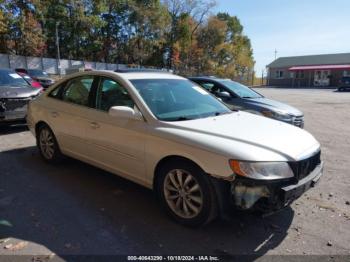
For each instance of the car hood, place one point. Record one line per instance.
(273, 105)
(18, 92)
(244, 136)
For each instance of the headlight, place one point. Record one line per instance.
(261, 170)
(277, 115)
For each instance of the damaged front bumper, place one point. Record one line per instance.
(13, 109)
(265, 196)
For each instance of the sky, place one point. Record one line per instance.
(292, 27)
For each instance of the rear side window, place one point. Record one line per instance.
(77, 90)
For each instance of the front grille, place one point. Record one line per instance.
(14, 103)
(304, 167)
(298, 121)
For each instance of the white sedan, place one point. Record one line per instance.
(168, 134)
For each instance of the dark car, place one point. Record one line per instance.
(344, 83)
(15, 93)
(241, 97)
(39, 75)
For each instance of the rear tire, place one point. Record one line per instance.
(186, 193)
(48, 146)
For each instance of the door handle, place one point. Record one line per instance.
(54, 114)
(94, 125)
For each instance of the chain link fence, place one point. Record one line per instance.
(53, 66)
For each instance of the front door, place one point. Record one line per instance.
(115, 144)
(322, 78)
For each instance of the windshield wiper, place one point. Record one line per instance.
(182, 118)
(222, 113)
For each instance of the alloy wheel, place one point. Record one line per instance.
(183, 193)
(47, 145)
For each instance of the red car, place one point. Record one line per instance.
(30, 80)
(38, 75)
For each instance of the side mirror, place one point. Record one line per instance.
(124, 112)
(224, 94)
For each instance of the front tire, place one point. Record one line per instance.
(186, 193)
(48, 146)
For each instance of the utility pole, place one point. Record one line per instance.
(58, 50)
(276, 54)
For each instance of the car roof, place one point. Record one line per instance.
(135, 73)
(133, 76)
(129, 75)
(142, 70)
(36, 69)
(6, 70)
(208, 78)
(203, 77)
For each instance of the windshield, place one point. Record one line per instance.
(37, 73)
(177, 99)
(240, 90)
(11, 78)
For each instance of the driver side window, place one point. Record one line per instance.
(212, 87)
(110, 93)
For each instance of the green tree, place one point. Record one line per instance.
(4, 29)
(24, 34)
(197, 11)
(210, 39)
(234, 27)
(178, 34)
(146, 26)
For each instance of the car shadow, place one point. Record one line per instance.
(13, 128)
(342, 91)
(74, 208)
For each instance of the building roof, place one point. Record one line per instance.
(319, 67)
(330, 59)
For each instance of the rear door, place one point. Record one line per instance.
(68, 114)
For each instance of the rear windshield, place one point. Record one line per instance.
(11, 78)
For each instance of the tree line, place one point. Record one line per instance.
(183, 35)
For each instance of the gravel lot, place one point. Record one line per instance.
(78, 209)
